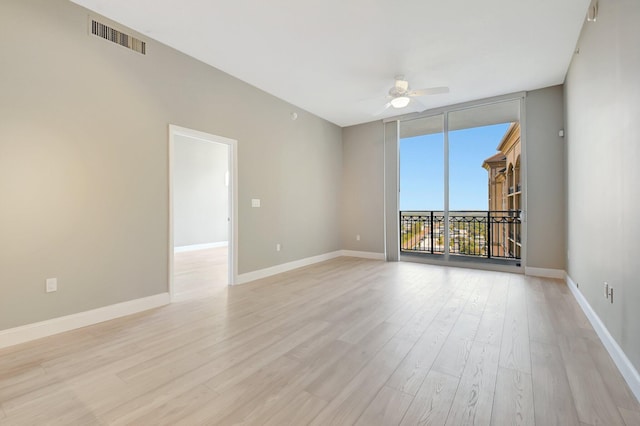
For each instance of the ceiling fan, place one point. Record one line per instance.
(400, 95)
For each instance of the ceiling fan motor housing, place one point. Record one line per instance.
(400, 88)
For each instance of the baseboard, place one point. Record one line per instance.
(26, 333)
(364, 254)
(194, 247)
(544, 272)
(285, 267)
(628, 371)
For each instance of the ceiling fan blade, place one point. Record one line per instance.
(419, 105)
(386, 106)
(429, 91)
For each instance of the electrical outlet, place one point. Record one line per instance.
(278, 247)
(51, 285)
(358, 237)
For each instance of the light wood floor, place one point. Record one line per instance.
(200, 273)
(348, 341)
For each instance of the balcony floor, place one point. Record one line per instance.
(509, 265)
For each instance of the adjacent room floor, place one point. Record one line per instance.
(200, 273)
(348, 341)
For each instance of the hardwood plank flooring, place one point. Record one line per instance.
(472, 404)
(200, 273)
(387, 408)
(513, 399)
(592, 404)
(630, 417)
(553, 402)
(343, 342)
(514, 351)
(432, 403)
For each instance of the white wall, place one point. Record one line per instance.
(200, 192)
(84, 180)
(603, 154)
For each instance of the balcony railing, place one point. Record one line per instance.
(488, 234)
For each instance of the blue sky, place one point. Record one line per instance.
(422, 169)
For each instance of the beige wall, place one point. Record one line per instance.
(603, 154)
(84, 164)
(363, 185)
(544, 156)
(545, 179)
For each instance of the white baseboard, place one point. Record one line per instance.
(26, 333)
(544, 272)
(285, 267)
(628, 371)
(194, 247)
(364, 254)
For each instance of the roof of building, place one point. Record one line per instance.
(496, 160)
(510, 138)
(498, 156)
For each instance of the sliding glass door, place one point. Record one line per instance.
(422, 185)
(460, 185)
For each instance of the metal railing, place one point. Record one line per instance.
(488, 234)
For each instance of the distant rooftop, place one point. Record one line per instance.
(496, 157)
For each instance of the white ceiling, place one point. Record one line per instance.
(337, 58)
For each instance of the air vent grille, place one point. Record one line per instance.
(115, 36)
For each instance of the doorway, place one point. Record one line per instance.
(202, 197)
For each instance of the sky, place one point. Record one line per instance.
(422, 169)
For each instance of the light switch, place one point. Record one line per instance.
(51, 285)
(255, 202)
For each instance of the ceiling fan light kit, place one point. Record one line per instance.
(400, 94)
(400, 102)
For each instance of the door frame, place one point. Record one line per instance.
(232, 214)
(392, 201)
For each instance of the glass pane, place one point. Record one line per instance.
(422, 185)
(484, 160)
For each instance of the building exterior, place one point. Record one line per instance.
(505, 194)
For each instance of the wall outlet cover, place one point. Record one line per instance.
(51, 285)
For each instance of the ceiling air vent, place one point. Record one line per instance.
(115, 36)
